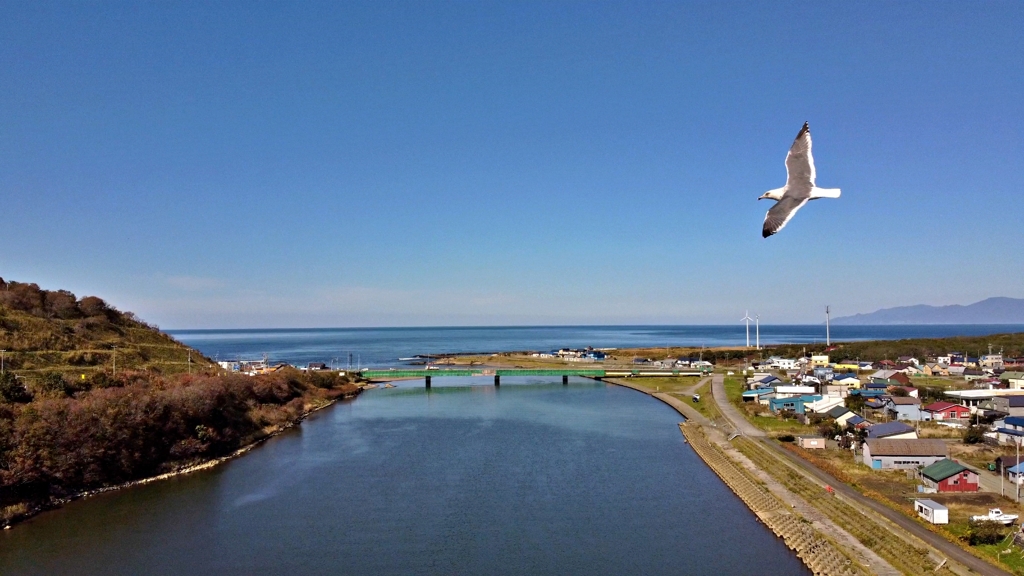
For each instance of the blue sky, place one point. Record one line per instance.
(450, 163)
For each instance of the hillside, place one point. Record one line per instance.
(989, 311)
(47, 331)
(70, 422)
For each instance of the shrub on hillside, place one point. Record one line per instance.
(11, 390)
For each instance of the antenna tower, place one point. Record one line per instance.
(828, 334)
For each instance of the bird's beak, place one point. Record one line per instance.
(762, 197)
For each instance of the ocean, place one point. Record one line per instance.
(383, 347)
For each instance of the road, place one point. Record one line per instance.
(942, 545)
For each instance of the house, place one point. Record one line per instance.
(935, 370)
(956, 369)
(316, 366)
(819, 361)
(865, 366)
(1015, 474)
(824, 405)
(875, 403)
(858, 422)
(973, 374)
(847, 366)
(764, 381)
(892, 430)
(946, 411)
(794, 404)
(891, 454)
(908, 360)
(823, 373)
(835, 391)
(886, 364)
(782, 363)
(909, 369)
(1009, 405)
(910, 390)
(932, 511)
(793, 391)
(1013, 380)
(841, 415)
(846, 379)
(596, 356)
(757, 394)
(810, 442)
(890, 377)
(904, 408)
(991, 361)
(949, 476)
(1006, 462)
(946, 360)
(1012, 430)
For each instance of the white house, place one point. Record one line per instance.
(846, 379)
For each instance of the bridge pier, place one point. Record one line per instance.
(427, 378)
(497, 380)
(565, 380)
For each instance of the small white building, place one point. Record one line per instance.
(932, 511)
(811, 442)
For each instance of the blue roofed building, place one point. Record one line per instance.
(795, 404)
(1012, 430)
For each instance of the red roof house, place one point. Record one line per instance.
(949, 476)
(947, 411)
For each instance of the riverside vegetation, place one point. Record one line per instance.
(69, 423)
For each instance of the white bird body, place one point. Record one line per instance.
(799, 188)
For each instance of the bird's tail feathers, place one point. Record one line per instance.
(824, 193)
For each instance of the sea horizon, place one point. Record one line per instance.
(387, 346)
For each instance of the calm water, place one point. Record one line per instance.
(532, 478)
(382, 347)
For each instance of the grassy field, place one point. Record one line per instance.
(706, 405)
(759, 415)
(898, 489)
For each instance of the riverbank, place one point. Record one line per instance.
(16, 511)
(813, 539)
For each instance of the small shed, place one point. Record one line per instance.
(811, 442)
(932, 511)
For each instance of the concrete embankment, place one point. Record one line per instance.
(812, 547)
(817, 551)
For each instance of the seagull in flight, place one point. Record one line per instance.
(799, 186)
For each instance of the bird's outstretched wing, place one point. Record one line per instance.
(800, 162)
(780, 214)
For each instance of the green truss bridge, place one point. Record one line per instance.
(428, 374)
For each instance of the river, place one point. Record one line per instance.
(529, 478)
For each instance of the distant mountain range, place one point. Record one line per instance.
(988, 311)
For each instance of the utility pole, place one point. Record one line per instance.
(757, 327)
(828, 334)
(190, 361)
(115, 360)
(747, 319)
(2, 361)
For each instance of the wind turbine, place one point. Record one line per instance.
(747, 318)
